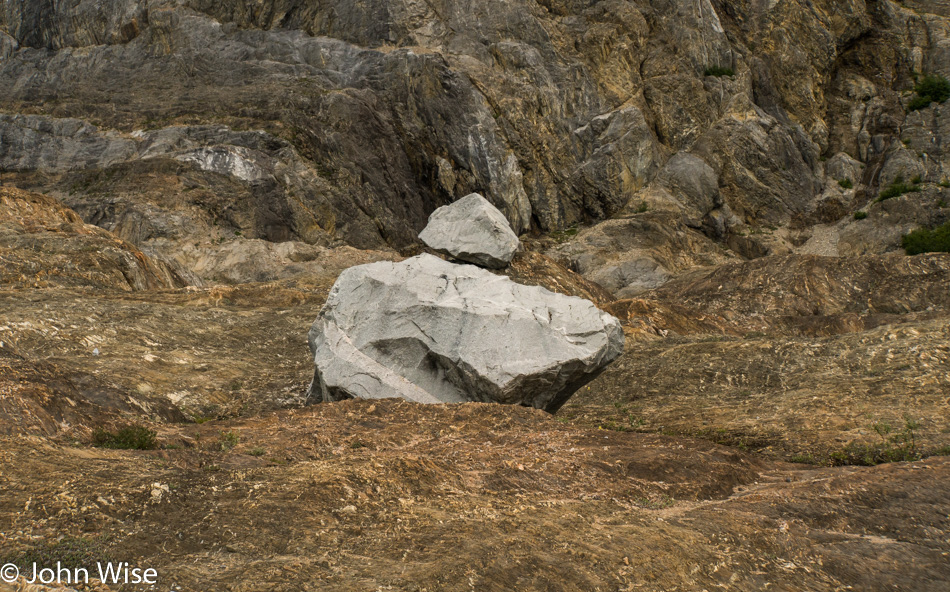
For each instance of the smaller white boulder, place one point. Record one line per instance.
(472, 230)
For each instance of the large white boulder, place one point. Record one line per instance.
(432, 331)
(472, 230)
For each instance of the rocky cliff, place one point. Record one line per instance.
(184, 181)
(335, 122)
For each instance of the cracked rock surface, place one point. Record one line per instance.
(472, 230)
(431, 331)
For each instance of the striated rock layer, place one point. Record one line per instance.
(340, 122)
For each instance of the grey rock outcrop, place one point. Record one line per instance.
(439, 332)
(628, 256)
(336, 122)
(472, 230)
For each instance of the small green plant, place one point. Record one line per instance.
(860, 215)
(357, 445)
(257, 451)
(134, 437)
(928, 240)
(916, 180)
(565, 235)
(70, 552)
(932, 88)
(906, 141)
(229, 440)
(894, 446)
(655, 502)
(805, 459)
(944, 182)
(643, 207)
(718, 71)
(897, 188)
(846, 183)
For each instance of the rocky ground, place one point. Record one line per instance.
(390, 495)
(182, 181)
(670, 471)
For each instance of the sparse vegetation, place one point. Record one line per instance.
(893, 447)
(70, 552)
(565, 235)
(134, 437)
(846, 183)
(928, 240)
(257, 451)
(643, 207)
(229, 440)
(657, 502)
(932, 88)
(718, 71)
(860, 215)
(898, 187)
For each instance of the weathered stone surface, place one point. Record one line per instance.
(369, 116)
(44, 244)
(472, 230)
(431, 331)
(628, 256)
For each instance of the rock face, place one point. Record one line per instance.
(44, 244)
(628, 256)
(431, 331)
(472, 230)
(339, 122)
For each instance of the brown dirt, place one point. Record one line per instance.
(44, 244)
(262, 494)
(389, 495)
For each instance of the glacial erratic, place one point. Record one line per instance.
(431, 331)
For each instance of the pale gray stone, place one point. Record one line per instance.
(432, 331)
(473, 230)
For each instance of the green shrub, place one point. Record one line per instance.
(845, 183)
(928, 240)
(718, 71)
(898, 188)
(893, 447)
(860, 215)
(918, 103)
(565, 235)
(134, 437)
(229, 440)
(930, 89)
